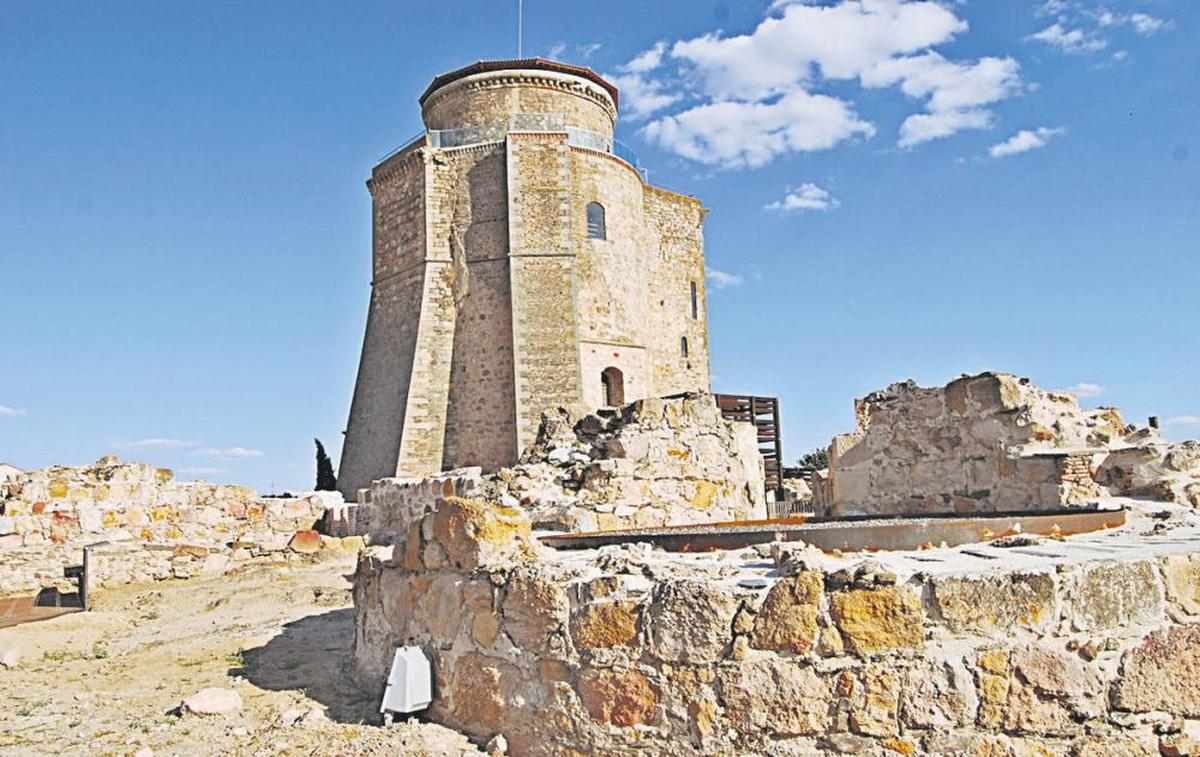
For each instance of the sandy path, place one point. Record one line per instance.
(110, 681)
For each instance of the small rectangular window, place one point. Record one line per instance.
(695, 303)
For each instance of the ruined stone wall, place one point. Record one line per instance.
(625, 650)
(656, 462)
(492, 98)
(154, 526)
(982, 443)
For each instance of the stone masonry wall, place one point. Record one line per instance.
(153, 527)
(784, 650)
(657, 462)
(983, 443)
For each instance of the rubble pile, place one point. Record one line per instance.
(994, 442)
(655, 462)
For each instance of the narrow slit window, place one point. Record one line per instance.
(695, 303)
(595, 221)
(614, 387)
(683, 346)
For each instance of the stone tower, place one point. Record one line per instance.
(520, 263)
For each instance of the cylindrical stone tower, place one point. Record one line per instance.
(519, 264)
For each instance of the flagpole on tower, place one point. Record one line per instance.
(520, 20)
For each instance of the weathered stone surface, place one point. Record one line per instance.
(775, 696)
(1162, 673)
(475, 534)
(1181, 580)
(476, 693)
(875, 702)
(787, 619)
(938, 694)
(621, 698)
(995, 602)
(213, 701)
(878, 620)
(690, 621)
(1049, 691)
(535, 608)
(606, 624)
(1112, 594)
(306, 542)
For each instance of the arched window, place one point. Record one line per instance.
(595, 221)
(683, 346)
(614, 387)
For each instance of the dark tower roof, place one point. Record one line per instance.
(535, 64)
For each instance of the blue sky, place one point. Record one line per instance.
(897, 190)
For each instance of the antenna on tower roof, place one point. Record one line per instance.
(520, 20)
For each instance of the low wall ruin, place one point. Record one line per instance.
(1081, 645)
(151, 526)
(655, 462)
(994, 442)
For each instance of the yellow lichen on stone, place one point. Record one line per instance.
(606, 624)
(706, 492)
(876, 620)
(58, 488)
(679, 454)
(163, 475)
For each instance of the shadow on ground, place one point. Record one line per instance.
(313, 655)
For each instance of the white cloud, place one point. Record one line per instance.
(642, 96)
(722, 279)
(1023, 141)
(922, 127)
(753, 97)
(10, 412)
(1146, 24)
(1074, 41)
(589, 49)
(556, 50)
(1184, 420)
(228, 453)
(1051, 8)
(809, 196)
(737, 134)
(157, 442)
(1084, 389)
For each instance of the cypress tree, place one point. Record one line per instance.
(326, 481)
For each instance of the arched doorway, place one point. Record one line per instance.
(614, 386)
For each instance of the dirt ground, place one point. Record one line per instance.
(110, 681)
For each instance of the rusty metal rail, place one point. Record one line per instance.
(854, 534)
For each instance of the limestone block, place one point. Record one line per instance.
(1181, 580)
(605, 624)
(535, 608)
(787, 619)
(877, 620)
(995, 603)
(1050, 690)
(477, 693)
(1162, 673)
(620, 698)
(938, 694)
(690, 621)
(1110, 594)
(776, 696)
(476, 535)
(875, 703)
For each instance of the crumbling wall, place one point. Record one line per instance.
(654, 462)
(624, 649)
(154, 527)
(982, 443)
